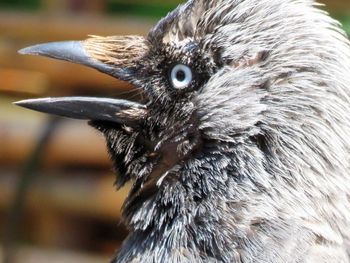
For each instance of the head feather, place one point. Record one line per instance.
(120, 51)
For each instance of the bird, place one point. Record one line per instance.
(239, 150)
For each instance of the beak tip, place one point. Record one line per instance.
(22, 51)
(21, 103)
(27, 51)
(18, 103)
(29, 104)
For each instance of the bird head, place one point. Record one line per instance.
(178, 67)
(183, 68)
(239, 97)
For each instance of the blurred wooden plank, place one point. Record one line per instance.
(85, 194)
(74, 143)
(34, 27)
(44, 255)
(23, 81)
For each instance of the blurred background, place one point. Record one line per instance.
(57, 200)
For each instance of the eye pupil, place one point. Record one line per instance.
(180, 75)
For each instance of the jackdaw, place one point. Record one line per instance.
(239, 149)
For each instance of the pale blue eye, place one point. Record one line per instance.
(181, 76)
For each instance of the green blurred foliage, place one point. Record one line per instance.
(20, 4)
(151, 8)
(145, 9)
(345, 20)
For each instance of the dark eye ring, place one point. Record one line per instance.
(181, 76)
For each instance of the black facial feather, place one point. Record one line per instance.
(154, 71)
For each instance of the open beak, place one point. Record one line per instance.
(115, 56)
